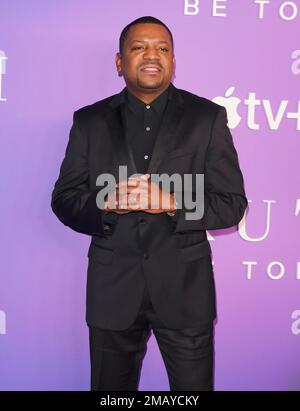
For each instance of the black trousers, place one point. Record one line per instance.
(117, 356)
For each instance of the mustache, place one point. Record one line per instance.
(151, 62)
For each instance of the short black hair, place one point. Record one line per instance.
(145, 19)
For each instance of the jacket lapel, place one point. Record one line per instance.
(115, 118)
(167, 135)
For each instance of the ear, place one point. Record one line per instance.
(174, 63)
(174, 68)
(118, 60)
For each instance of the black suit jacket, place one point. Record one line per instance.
(169, 254)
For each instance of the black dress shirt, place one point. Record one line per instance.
(142, 122)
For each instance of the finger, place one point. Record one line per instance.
(129, 181)
(122, 212)
(133, 182)
(137, 190)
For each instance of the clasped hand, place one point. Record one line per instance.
(139, 193)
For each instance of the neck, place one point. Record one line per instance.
(147, 96)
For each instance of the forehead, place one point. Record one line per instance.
(148, 32)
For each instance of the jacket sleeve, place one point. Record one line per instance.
(73, 200)
(224, 196)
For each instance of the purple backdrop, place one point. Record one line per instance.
(58, 56)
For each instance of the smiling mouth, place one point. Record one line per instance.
(151, 70)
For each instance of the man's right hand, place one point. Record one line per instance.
(118, 194)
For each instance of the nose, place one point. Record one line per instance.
(151, 54)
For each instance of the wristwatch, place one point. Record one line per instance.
(172, 213)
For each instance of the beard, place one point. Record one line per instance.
(151, 83)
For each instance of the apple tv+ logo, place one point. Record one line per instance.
(231, 104)
(274, 115)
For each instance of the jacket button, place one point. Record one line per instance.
(146, 256)
(142, 220)
(106, 228)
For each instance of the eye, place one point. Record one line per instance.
(137, 48)
(164, 49)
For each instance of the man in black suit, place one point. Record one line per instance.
(150, 266)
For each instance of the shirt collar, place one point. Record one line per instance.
(138, 106)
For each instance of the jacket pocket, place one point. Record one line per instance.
(195, 251)
(100, 254)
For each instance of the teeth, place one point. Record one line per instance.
(150, 69)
